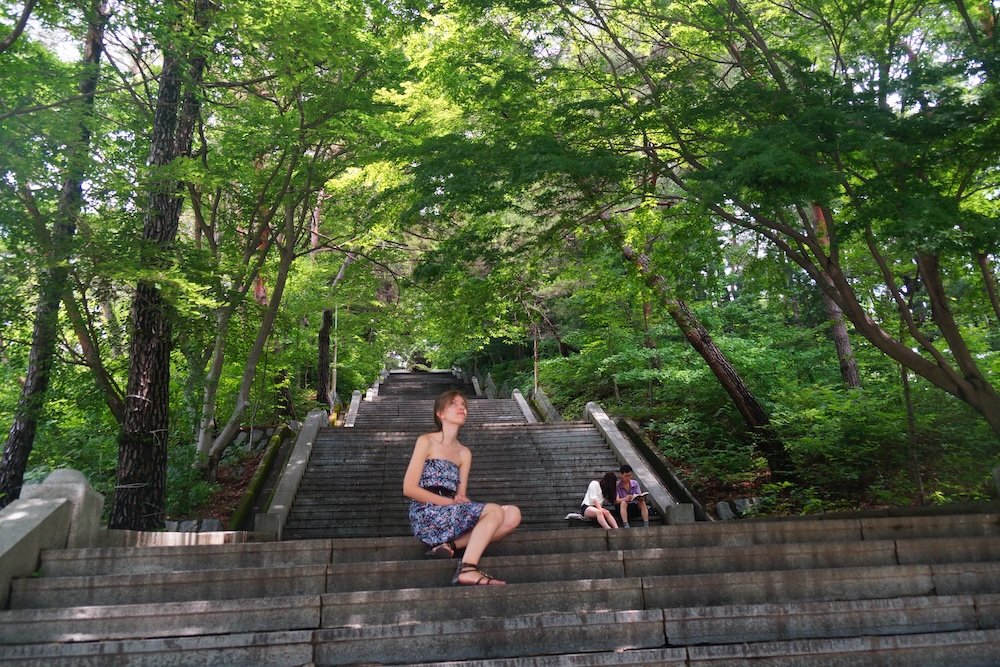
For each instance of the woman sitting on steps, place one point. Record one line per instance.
(441, 515)
(598, 493)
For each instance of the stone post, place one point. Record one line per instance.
(61, 512)
(88, 505)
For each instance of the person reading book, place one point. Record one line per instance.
(628, 493)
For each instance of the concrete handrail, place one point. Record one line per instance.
(626, 452)
(273, 520)
(529, 416)
(678, 489)
(545, 407)
(250, 496)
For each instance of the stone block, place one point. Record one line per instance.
(724, 511)
(87, 504)
(745, 505)
(261, 649)
(491, 638)
(27, 526)
(677, 514)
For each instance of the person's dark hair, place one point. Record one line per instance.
(442, 402)
(608, 483)
(625, 468)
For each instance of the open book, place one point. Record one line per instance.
(641, 495)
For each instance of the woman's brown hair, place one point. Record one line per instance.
(443, 401)
(608, 484)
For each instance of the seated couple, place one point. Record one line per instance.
(622, 493)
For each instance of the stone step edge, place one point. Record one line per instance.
(729, 535)
(660, 590)
(299, 647)
(391, 552)
(684, 626)
(975, 648)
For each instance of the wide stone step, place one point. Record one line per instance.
(628, 632)
(260, 649)
(308, 647)
(732, 535)
(162, 619)
(771, 573)
(535, 621)
(965, 648)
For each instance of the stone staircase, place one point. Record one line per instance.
(878, 590)
(352, 486)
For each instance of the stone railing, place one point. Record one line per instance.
(63, 511)
(272, 521)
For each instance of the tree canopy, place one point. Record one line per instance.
(765, 229)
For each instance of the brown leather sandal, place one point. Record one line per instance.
(484, 579)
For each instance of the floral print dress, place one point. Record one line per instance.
(434, 524)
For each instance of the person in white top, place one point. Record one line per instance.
(599, 492)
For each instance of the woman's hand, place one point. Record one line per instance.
(461, 498)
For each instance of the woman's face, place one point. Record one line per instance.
(454, 412)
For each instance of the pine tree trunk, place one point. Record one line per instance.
(21, 436)
(754, 415)
(52, 281)
(842, 343)
(140, 493)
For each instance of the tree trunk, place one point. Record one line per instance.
(756, 418)
(842, 343)
(52, 281)
(18, 28)
(965, 383)
(21, 436)
(110, 391)
(286, 402)
(841, 339)
(140, 493)
(323, 390)
(753, 413)
(287, 250)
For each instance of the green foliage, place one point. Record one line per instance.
(75, 432)
(186, 489)
(481, 166)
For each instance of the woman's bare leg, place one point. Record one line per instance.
(511, 520)
(599, 515)
(479, 538)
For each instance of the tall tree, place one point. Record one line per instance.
(749, 407)
(752, 110)
(53, 278)
(139, 500)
